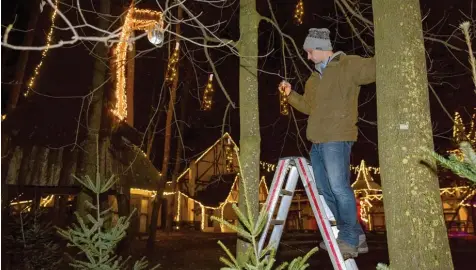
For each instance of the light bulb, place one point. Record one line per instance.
(156, 35)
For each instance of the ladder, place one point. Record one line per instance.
(295, 168)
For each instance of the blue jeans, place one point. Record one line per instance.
(330, 163)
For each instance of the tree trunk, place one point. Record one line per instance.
(416, 231)
(250, 137)
(89, 158)
(165, 162)
(23, 59)
(178, 154)
(131, 55)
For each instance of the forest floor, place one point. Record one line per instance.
(200, 251)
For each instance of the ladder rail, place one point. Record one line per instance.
(273, 197)
(299, 167)
(283, 209)
(319, 212)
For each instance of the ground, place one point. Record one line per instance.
(200, 251)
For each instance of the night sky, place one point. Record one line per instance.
(67, 72)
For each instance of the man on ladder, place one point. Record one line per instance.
(330, 99)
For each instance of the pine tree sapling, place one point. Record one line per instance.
(30, 242)
(254, 259)
(251, 231)
(96, 241)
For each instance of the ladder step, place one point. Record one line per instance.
(277, 222)
(286, 192)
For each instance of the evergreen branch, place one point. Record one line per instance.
(235, 228)
(242, 218)
(462, 168)
(227, 251)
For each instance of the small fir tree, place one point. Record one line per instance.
(94, 240)
(29, 242)
(255, 260)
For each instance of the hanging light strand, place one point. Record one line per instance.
(208, 94)
(49, 38)
(229, 156)
(283, 101)
(299, 12)
(172, 65)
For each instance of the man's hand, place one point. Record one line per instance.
(286, 87)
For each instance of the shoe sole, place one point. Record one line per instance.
(360, 250)
(350, 255)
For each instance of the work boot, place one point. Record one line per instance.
(347, 250)
(362, 247)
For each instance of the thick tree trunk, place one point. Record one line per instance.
(165, 161)
(416, 231)
(89, 158)
(250, 137)
(23, 59)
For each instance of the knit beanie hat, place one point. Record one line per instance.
(318, 39)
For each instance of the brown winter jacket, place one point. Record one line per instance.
(331, 101)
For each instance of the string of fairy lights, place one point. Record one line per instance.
(172, 65)
(229, 156)
(230, 199)
(49, 38)
(459, 129)
(283, 102)
(208, 94)
(270, 167)
(299, 12)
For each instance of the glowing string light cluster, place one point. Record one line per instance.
(459, 131)
(177, 217)
(283, 101)
(356, 169)
(267, 166)
(136, 19)
(182, 196)
(49, 38)
(229, 156)
(208, 94)
(364, 183)
(172, 65)
(460, 134)
(299, 12)
(443, 191)
(467, 200)
(365, 207)
(43, 203)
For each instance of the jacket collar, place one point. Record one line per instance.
(322, 65)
